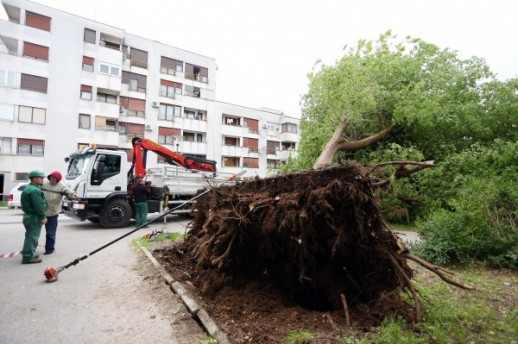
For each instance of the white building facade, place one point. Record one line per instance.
(66, 81)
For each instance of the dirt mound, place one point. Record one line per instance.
(314, 240)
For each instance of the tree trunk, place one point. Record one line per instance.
(326, 157)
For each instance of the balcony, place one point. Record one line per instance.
(108, 82)
(287, 136)
(107, 109)
(193, 147)
(285, 154)
(10, 45)
(232, 130)
(133, 92)
(234, 151)
(197, 77)
(191, 124)
(106, 135)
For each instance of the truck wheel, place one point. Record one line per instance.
(116, 213)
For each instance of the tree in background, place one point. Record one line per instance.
(410, 100)
(410, 93)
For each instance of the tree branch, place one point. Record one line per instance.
(402, 171)
(355, 145)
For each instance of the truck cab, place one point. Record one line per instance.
(99, 177)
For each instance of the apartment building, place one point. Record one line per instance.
(67, 81)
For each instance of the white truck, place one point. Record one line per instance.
(103, 180)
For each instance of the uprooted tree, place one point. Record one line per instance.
(318, 235)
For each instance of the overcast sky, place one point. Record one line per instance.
(265, 48)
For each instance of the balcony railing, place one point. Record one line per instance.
(166, 70)
(197, 77)
(106, 127)
(135, 113)
(137, 88)
(110, 45)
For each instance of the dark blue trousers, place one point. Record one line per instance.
(50, 238)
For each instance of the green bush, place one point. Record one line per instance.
(476, 216)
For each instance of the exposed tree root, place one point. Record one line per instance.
(317, 235)
(439, 271)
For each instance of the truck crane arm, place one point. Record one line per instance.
(141, 146)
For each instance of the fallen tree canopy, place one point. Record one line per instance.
(317, 235)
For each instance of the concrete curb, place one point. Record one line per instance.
(193, 308)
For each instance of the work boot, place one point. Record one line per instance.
(33, 260)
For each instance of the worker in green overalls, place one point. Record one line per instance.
(34, 206)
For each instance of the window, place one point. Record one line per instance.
(88, 64)
(251, 124)
(7, 78)
(138, 58)
(252, 144)
(89, 36)
(31, 115)
(170, 66)
(192, 91)
(170, 88)
(37, 21)
(288, 146)
(86, 92)
(167, 112)
(231, 141)
(22, 176)
(135, 107)
(105, 123)
(190, 137)
(136, 82)
(199, 115)
(131, 130)
(36, 51)
(30, 147)
(197, 73)
(272, 147)
(270, 163)
(289, 128)
(273, 127)
(110, 42)
(251, 162)
(106, 98)
(230, 120)
(230, 161)
(106, 68)
(5, 145)
(6, 112)
(84, 121)
(167, 135)
(34, 83)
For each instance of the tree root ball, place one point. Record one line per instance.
(316, 235)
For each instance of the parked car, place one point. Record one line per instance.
(15, 196)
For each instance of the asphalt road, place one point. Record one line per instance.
(114, 296)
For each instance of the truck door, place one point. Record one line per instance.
(106, 174)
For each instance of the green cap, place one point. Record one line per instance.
(36, 173)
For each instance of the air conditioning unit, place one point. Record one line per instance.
(148, 127)
(156, 104)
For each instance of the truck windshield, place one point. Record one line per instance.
(78, 166)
